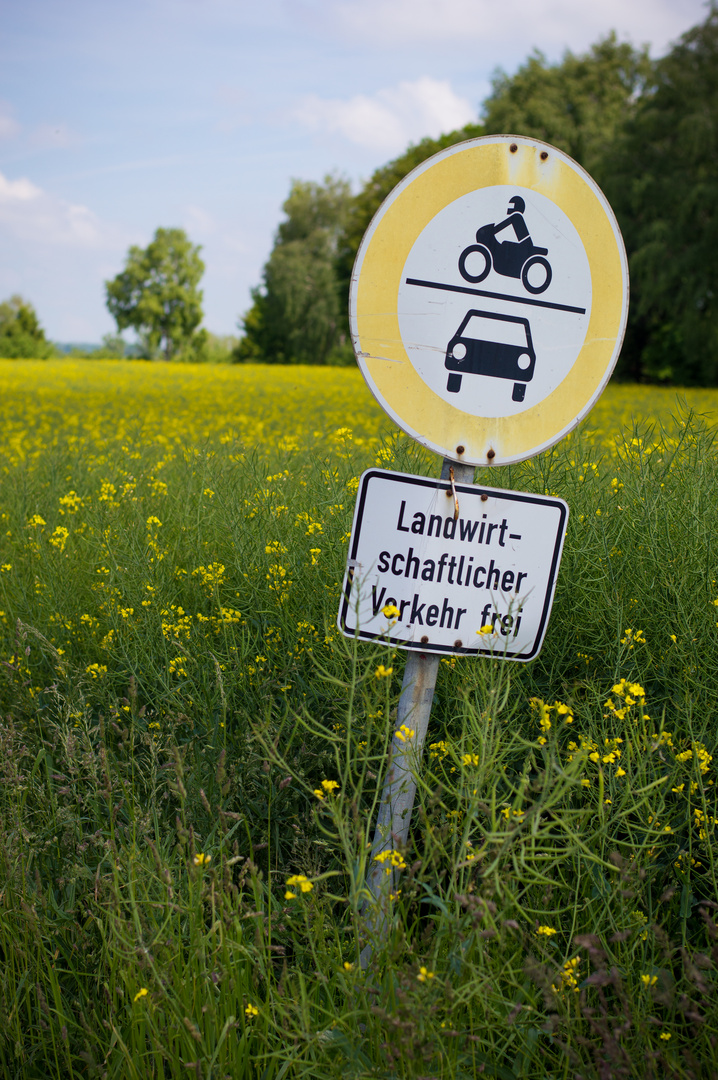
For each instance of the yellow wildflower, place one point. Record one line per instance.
(569, 981)
(393, 857)
(303, 882)
(275, 548)
(59, 537)
(328, 788)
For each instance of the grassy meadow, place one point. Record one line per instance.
(192, 755)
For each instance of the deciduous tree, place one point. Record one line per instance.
(157, 295)
(296, 315)
(578, 104)
(664, 187)
(21, 336)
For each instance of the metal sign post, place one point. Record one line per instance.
(397, 798)
(488, 305)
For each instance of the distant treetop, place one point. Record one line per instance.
(21, 336)
(157, 295)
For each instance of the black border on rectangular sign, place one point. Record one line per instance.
(469, 489)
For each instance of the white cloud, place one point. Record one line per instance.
(30, 215)
(517, 24)
(391, 117)
(17, 191)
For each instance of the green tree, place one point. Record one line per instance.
(664, 188)
(219, 348)
(21, 336)
(578, 105)
(296, 315)
(157, 295)
(113, 347)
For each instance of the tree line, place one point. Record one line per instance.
(157, 295)
(646, 130)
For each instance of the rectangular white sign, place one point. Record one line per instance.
(445, 579)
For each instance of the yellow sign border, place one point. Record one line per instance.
(393, 380)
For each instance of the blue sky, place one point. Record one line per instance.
(119, 117)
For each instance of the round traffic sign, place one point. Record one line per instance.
(489, 299)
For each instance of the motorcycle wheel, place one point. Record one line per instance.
(472, 250)
(537, 260)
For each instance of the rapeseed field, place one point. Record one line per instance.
(192, 755)
(101, 406)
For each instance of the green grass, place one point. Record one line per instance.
(173, 694)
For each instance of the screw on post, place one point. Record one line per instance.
(405, 755)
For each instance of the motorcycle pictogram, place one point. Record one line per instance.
(510, 258)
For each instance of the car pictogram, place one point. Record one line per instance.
(499, 346)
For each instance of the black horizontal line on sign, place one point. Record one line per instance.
(495, 295)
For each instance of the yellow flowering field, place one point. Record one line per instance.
(147, 505)
(98, 406)
(191, 756)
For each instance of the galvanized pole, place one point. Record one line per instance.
(397, 800)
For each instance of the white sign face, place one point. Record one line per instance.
(420, 578)
(506, 343)
(489, 299)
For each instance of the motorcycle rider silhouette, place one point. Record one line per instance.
(510, 258)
